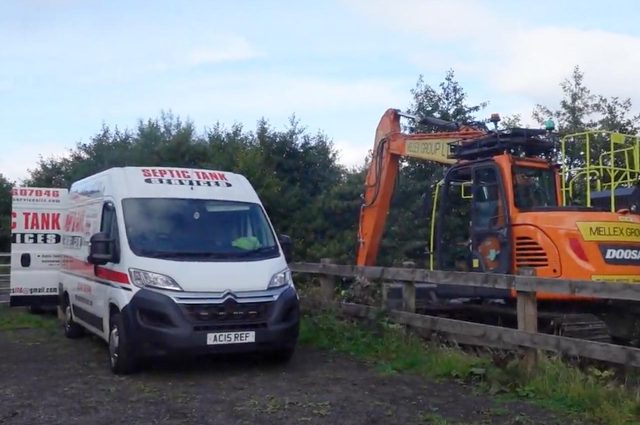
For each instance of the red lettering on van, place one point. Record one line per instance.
(14, 224)
(40, 221)
(55, 221)
(146, 172)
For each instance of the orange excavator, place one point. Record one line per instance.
(500, 209)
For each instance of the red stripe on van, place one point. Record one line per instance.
(86, 268)
(112, 275)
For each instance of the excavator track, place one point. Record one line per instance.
(585, 326)
(580, 326)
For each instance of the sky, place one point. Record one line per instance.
(68, 67)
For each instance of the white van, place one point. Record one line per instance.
(164, 261)
(37, 215)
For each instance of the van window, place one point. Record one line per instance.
(109, 225)
(198, 229)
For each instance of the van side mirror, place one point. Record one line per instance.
(101, 249)
(287, 247)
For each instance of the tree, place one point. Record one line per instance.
(5, 213)
(576, 106)
(580, 111)
(614, 115)
(294, 172)
(448, 103)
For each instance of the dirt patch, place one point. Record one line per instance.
(47, 379)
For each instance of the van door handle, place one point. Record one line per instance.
(25, 260)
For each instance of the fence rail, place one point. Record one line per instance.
(522, 283)
(525, 337)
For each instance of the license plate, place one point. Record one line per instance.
(231, 338)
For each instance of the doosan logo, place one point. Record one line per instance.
(622, 254)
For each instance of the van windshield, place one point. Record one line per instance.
(198, 229)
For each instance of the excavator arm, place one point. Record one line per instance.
(390, 145)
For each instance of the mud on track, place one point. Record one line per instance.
(47, 379)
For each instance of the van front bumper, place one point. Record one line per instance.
(157, 325)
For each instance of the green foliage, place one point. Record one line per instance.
(5, 213)
(592, 393)
(306, 193)
(388, 348)
(17, 318)
(580, 110)
(448, 102)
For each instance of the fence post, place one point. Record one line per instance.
(385, 295)
(409, 290)
(327, 284)
(528, 321)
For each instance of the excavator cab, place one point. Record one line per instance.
(472, 233)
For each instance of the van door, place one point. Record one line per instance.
(108, 225)
(36, 245)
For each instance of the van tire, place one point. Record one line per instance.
(121, 360)
(72, 330)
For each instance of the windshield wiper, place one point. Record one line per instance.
(205, 254)
(261, 250)
(182, 254)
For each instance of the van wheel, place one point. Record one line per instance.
(121, 360)
(72, 330)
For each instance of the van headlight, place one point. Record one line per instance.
(281, 279)
(142, 279)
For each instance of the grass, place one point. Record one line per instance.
(589, 393)
(20, 318)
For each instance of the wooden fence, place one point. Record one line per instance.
(526, 336)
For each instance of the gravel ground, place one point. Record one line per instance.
(47, 379)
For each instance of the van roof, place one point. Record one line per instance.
(165, 182)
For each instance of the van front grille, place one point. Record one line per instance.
(228, 313)
(529, 253)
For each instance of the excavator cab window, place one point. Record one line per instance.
(452, 233)
(486, 199)
(534, 187)
(490, 241)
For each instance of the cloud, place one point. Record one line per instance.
(535, 61)
(351, 153)
(92, 53)
(276, 94)
(436, 19)
(230, 50)
(6, 85)
(506, 56)
(16, 162)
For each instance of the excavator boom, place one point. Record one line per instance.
(391, 144)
